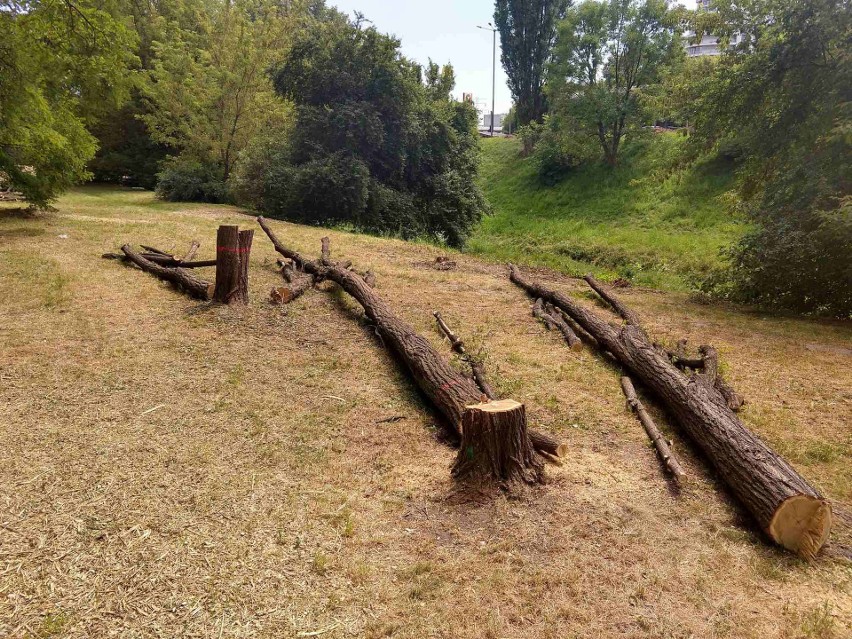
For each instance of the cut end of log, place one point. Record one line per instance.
(496, 406)
(801, 524)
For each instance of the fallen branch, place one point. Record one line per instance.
(553, 319)
(184, 280)
(654, 433)
(476, 368)
(789, 509)
(626, 313)
(448, 390)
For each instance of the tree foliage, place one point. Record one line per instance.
(783, 95)
(605, 53)
(377, 143)
(527, 33)
(63, 64)
(207, 91)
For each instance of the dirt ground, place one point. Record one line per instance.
(170, 468)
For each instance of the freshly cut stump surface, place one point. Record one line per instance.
(495, 445)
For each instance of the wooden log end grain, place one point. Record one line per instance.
(801, 524)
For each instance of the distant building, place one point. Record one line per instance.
(498, 120)
(709, 44)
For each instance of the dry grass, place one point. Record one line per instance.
(260, 498)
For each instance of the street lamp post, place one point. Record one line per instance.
(493, 31)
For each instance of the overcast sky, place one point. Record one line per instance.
(444, 30)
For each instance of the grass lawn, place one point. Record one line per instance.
(646, 220)
(171, 468)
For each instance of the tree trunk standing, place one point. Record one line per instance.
(232, 253)
(448, 390)
(495, 445)
(245, 240)
(792, 513)
(227, 264)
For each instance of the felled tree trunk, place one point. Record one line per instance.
(448, 390)
(791, 511)
(495, 445)
(182, 279)
(553, 319)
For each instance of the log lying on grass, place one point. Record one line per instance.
(448, 390)
(654, 433)
(789, 509)
(553, 319)
(182, 279)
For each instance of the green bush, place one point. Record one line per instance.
(374, 145)
(188, 180)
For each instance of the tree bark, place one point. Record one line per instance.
(654, 433)
(448, 390)
(495, 446)
(789, 509)
(245, 240)
(227, 264)
(552, 319)
(180, 278)
(626, 313)
(193, 249)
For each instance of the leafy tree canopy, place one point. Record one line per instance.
(63, 64)
(606, 52)
(783, 96)
(527, 33)
(377, 143)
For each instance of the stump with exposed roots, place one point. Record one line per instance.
(495, 446)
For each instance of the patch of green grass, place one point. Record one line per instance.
(649, 220)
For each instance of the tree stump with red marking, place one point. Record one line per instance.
(233, 248)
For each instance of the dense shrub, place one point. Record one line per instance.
(781, 99)
(373, 145)
(187, 180)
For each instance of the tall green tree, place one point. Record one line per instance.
(527, 34)
(606, 51)
(208, 91)
(783, 96)
(63, 64)
(377, 144)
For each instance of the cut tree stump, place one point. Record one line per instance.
(654, 433)
(448, 390)
(495, 446)
(245, 239)
(232, 256)
(182, 279)
(782, 502)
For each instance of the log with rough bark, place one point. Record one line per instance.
(495, 445)
(553, 319)
(476, 368)
(626, 313)
(162, 260)
(448, 390)
(654, 433)
(180, 278)
(790, 510)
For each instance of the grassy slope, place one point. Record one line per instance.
(644, 220)
(173, 468)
